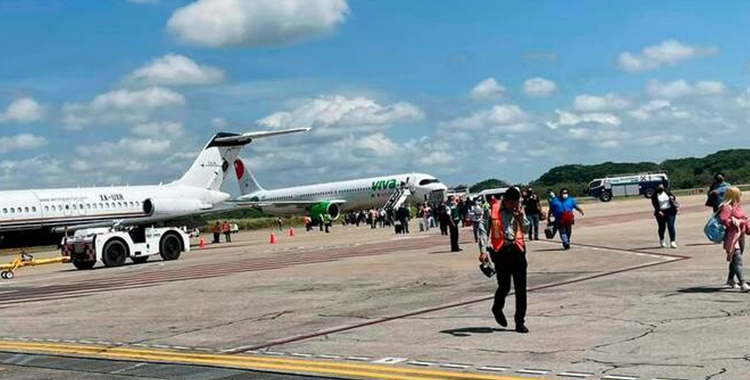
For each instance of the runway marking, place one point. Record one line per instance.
(580, 375)
(257, 363)
(494, 369)
(619, 377)
(421, 363)
(534, 371)
(390, 361)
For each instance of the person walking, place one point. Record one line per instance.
(665, 211)
(216, 230)
(734, 219)
(443, 217)
(227, 230)
(565, 218)
(716, 191)
(402, 215)
(454, 218)
(308, 222)
(280, 224)
(533, 208)
(502, 240)
(476, 213)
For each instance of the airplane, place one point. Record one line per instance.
(333, 198)
(40, 217)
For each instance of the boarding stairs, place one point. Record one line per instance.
(398, 197)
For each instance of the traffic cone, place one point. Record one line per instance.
(273, 237)
(202, 243)
(291, 231)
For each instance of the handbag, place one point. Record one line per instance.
(714, 230)
(550, 231)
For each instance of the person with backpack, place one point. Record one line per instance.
(501, 238)
(716, 191)
(665, 211)
(737, 226)
(564, 216)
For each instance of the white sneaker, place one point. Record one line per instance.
(745, 287)
(662, 244)
(732, 285)
(674, 244)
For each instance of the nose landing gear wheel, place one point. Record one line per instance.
(7, 275)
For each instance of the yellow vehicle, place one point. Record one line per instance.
(25, 260)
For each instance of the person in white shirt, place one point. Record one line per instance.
(665, 211)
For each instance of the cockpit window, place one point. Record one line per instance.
(428, 181)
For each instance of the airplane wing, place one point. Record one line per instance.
(177, 218)
(283, 203)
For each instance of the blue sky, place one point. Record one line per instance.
(126, 91)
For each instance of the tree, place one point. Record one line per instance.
(491, 183)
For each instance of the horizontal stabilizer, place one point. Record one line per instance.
(246, 138)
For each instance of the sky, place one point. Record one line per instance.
(128, 91)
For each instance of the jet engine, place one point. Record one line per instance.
(319, 209)
(172, 206)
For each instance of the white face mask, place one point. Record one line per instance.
(565, 196)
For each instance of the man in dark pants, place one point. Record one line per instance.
(501, 238)
(454, 218)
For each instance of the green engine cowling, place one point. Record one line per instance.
(319, 209)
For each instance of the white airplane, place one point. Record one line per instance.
(37, 217)
(334, 197)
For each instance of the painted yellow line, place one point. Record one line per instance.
(323, 368)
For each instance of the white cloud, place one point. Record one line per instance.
(565, 118)
(487, 89)
(22, 110)
(175, 70)
(219, 122)
(593, 103)
(120, 106)
(681, 88)
(24, 141)
(669, 52)
(500, 115)
(377, 145)
(166, 129)
(501, 147)
(126, 147)
(539, 87)
(330, 112)
(222, 23)
(645, 111)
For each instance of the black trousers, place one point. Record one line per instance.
(454, 236)
(510, 262)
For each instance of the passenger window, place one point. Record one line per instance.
(67, 207)
(74, 207)
(46, 208)
(106, 205)
(5, 211)
(33, 209)
(80, 206)
(26, 209)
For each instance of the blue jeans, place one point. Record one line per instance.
(667, 223)
(534, 227)
(566, 233)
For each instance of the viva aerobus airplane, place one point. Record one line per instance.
(39, 217)
(332, 198)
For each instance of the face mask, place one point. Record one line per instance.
(565, 196)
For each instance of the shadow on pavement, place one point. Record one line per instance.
(703, 289)
(469, 331)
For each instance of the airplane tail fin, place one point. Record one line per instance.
(248, 183)
(210, 168)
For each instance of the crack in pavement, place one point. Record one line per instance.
(721, 372)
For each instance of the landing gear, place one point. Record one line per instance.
(7, 275)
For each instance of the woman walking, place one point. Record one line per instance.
(737, 226)
(665, 211)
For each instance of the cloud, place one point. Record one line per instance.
(565, 118)
(669, 53)
(505, 115)
(126, 147)
(24, 141)
(120, 106)
(22, 110)
(223, 23)
(487, 89)
(593, 103)
(175, 70)
(645, 111)
(377, 145)
(539, 87)
(501, 147)
(680, 88)
(327, 113)
(165, 129)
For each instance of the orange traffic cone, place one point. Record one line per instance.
(273, 237)
(291, 231)
(202, 243)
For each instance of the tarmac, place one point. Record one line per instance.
(363, 303)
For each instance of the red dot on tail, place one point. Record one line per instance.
(239, 168)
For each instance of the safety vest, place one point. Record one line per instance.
(497, 230)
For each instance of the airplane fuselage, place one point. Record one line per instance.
(356, 194)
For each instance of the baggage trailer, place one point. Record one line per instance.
(113, 246)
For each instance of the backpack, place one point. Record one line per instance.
(714, 230)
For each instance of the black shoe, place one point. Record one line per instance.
(566, 246)
(522, 329)
(456, 250)
(500, 318)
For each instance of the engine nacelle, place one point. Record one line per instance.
(161, 206)
(319, 209)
